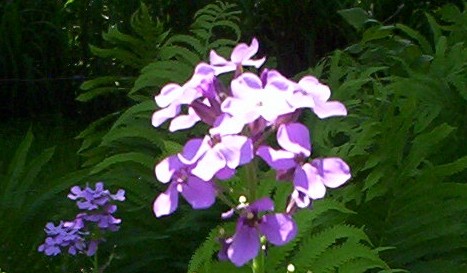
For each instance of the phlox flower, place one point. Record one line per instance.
(252, 99)
(215, 153)
(198, 193)
(241, 56)
(98, 210)
(244, 245)
(89, 199)
(294, 139)
(64, 235)
(311, 180)
(312, 89)
(173, 96)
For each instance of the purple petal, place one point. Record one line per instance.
(169, 94)
(263, 204)
(329, 109)
(301, 199)
(216, 59)
(167, 167)
(228, 214)
(300, 179)
(314, 88)
(333, 171)
(237, 150)
(203, 71)
(245, 245)
(278, 228)
(316, 188)
(225, 173)
(226, 124)
(256, 63)
(184, 121)
(243, 52)
(247, 86)
(119, 196)
(295, 138)
(301, 100)
(92, 248)
(277, 159)
(209, 164)
(243, 110)
(225, 244)
(166, 202)
(274, 104)
(194, 149)
(198, 193)
(75, 193)
(164, 114)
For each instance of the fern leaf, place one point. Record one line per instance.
(304, 219)
(143, 109)
(342, 254)
(204, 252)
(318, 244)
(422, 41)
(140, 158)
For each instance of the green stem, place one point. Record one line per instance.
(252, 180)
(226, 200)
(95, 264)
(257, 265)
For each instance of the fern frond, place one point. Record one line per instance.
(203, 255)
(277, 256)
(140, 158)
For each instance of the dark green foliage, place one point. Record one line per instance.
(33, 180)
(405, 139)
(31, 40)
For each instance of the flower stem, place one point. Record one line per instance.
(258, 263)
(95, 264)
(252, 180)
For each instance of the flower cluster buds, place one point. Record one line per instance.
(83, 234)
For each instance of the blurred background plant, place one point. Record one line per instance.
(399, 66)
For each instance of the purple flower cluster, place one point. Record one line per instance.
(241, 118)
(79, 235)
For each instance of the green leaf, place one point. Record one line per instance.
(422, 41)
(140, 158)
(356, 17)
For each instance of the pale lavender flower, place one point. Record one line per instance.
(312, 89)
(244, 245)
(198, 193)
(241, 56)
(173, 96)
(313, 178)
(251, 100)
(214, 153)
(294, 139)
(309, 179)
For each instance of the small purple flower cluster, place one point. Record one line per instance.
(98, 209)
(241, 118)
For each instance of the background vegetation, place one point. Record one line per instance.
(78, 79)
